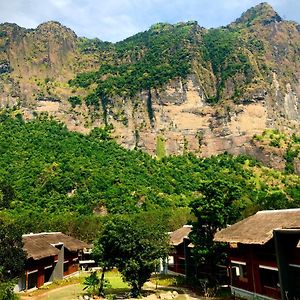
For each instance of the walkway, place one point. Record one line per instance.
(68, 292)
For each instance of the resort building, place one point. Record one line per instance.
(180, 250)
(264, 254)
(50, 256)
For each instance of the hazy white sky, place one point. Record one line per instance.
(114, 20)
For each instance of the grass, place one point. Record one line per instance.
(71, 288)
(72, 281)
(160, 147)
(224, 293)
(118, 286)
(181, 297)
(168, 280)
(115, 279)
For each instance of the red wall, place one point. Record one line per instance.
(253, 256)
(179, 259)
(72, 265)
(31, 265)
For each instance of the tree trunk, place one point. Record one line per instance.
(136, 290)
(101, 286)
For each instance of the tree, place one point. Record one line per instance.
(6, 195)
(91, 282)
(217, 207)
(12, 258)
(134, 244)
(6, 291)
(104, 253)
(75, 100)
(102, 134)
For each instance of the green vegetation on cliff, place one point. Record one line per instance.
(226, 51)
(146, 60)
(236, 63)
(288, 144)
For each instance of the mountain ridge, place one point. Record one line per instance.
(261, 12)
(263, 9)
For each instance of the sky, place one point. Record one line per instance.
(114, 20)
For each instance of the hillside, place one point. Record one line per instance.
(51, 177)
(171, 89)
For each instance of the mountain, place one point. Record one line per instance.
(170, 89)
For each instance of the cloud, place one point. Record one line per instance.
(114, 20)
(60, 4)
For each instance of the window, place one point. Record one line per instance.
(181, 263)
(295, 272)
(32, 279)
(269, 277)
(294, 275)
(171, 260)
(66, 267)
(47, 273)
(239, 271)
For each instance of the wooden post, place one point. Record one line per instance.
(26, 280)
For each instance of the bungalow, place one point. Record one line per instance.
(50, 256)
(264, 254)
(180, 250)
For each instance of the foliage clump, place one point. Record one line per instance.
(74, 101)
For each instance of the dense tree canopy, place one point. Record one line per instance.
(150, 59)
(53, 179)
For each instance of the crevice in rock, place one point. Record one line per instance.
(150, 108)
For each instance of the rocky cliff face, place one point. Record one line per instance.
(241, 79)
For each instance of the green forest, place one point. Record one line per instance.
(54, 179)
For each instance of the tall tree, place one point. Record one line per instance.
(134, 245)
(12, 258)
(217, 206)
(105, 254)
(7, 194)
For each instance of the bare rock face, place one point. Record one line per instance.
(180, 116)
(297, 165)
(193, 125)
(188, 124)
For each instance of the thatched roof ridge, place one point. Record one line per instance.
(177, 236)
(42, 245)
(258, 229)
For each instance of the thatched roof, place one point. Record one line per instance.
(177, 236)
(258, 229)
(42, 245)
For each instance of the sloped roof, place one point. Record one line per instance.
(42, 245)
(258, 229)
(177, 236)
